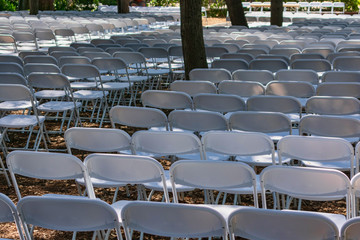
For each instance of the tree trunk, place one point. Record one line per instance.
(34, 7)
(123, 6)
(23, 4)
(276, 12)
(192, 35)
(236, 12)
(46, 5)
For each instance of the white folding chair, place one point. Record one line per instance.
(345, 89)
(9, 213)
(166, 99)
(261, 76)
(306, 75)
(214, 75)
(193, 87)
(68, 213)
(10, 96)
(313, 184)
(47, 166)
(229, 177)
(241, 88)
(173, 220)
(350, 229)
(255, 223)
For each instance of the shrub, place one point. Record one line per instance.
(8, 5)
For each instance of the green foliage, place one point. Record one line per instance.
(164, 3)
(78, 5)
(8, 5)
(215, 9)
(351, 5)
(108, 2)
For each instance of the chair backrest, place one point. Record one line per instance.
(223, 103)
(97, 139)
(233, 143)
(341, 76)
(330, 126)
(272, 65)
(265, 122)
(255, 223)
(48, 166)
(140, 117)
(128, 169)
(346, 63)
(40, 59)
(197, 121)
(213, 175)
(335, 152)
(326, 105)
(315, 184)
(11, 67)
(73, 60)
(230, 64)
(261, 76)
(212, 74)
(68, 214)
(318, 65)
(284, 104)
(182, 220)
(49, 80)
(241, 88)
(166, 99)
(40, 68)
(290, 88)
(339, 89)
(166, 143)
(350, 229)
(11, 58)
(305, 75)
(80, 70)
(193, 87)
(9, 213)
(242, 56)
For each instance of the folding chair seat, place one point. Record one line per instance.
(54, 166)
(213, 74)
(330, 105)
(297, 75)
(241, 88)
(228, 177)
(284, 104)
(230, 64)
(138, 117)
(196, 221)
(60, 97)
(272, 65)
(274, 124)
(91, 90)
(261, 76)
(341, 76)
(117, 89)
(255, 223)
(300, 90)
(223, 103)
(166, 99)
(193, 87)
(345, 89)
(350, 229)
(11, 68)
(68, 214)
(313, 184)
(336, 153)
(196, 121)
(9, 213)
(330, 126)
(19, 97)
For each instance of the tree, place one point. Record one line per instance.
(34, 7)
(192, 35)
(276, 12)
(46, 5)
(23, 4)
(123, 6)
(236, 12)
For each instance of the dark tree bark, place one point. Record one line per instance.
(236, 12)
(192, 35)
(276, 12)
(46, 5)
(34, 7)
(23, 4)
(123, 6)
